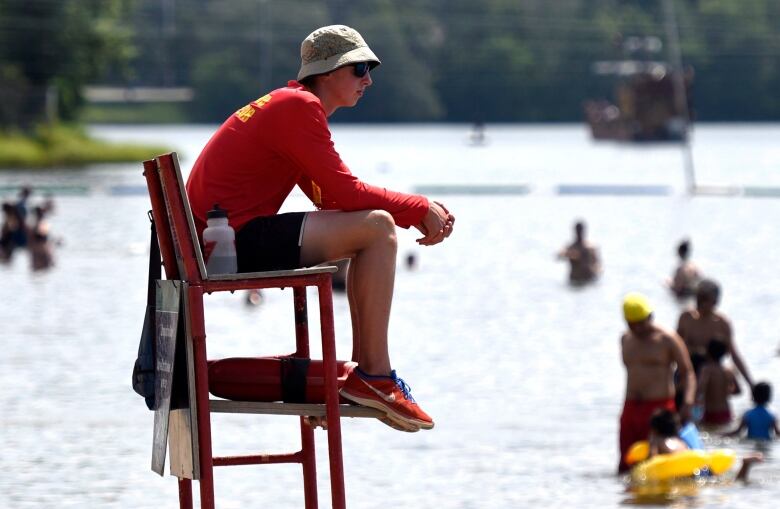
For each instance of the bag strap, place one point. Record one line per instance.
(155, 272)
(143, 380)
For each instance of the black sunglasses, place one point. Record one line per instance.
(361, 68)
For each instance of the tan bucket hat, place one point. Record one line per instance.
(331, 47)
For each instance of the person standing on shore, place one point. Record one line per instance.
(281, 140)
(650, 354)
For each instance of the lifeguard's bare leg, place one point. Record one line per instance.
(353, 311)
(368, 238)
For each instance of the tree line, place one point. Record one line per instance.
(442, 60)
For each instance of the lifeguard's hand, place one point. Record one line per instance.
(437, 224)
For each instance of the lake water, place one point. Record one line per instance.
(521, 373)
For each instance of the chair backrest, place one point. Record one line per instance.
(160, 216)
(182, 226)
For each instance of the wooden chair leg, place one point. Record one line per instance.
(185, 494)
(301, 322)
(309, 465)
(331, 394)
(196, 320)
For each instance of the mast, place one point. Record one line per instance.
(680, 95)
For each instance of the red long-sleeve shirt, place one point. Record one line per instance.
(253, 161)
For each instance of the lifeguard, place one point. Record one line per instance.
(266, 148)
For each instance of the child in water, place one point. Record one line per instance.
(665, 439)
(716, 384)
(665, 433)
(759, 422)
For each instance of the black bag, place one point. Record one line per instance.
(144, 370)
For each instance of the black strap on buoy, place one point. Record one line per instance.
(294, 370)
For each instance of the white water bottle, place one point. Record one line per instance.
(219, 243)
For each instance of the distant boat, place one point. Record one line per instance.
(644, 106)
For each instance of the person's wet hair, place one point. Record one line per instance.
(665, 422)
(708, 289)
(716, 349)
(684, 249)
(762, 393)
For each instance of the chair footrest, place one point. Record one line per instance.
(258, 459)
(276, 408)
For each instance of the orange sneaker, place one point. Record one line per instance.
(389, 394)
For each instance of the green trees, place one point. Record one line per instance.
(492, 60)
(236, 54)
(735, 49)
(50, 49)
(443, 60)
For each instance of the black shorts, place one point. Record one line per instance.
(270, 243)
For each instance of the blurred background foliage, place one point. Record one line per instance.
(443, 60)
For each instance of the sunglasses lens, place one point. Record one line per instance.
(361, 69)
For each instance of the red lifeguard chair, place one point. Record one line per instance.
(190, 428)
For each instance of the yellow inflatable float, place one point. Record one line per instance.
(673, 475)
(680, 464)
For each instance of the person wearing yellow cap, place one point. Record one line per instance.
(650, 354)
(636, 308)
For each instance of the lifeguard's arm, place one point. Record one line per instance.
(328, 182)
(737, 358)
(685, 370)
